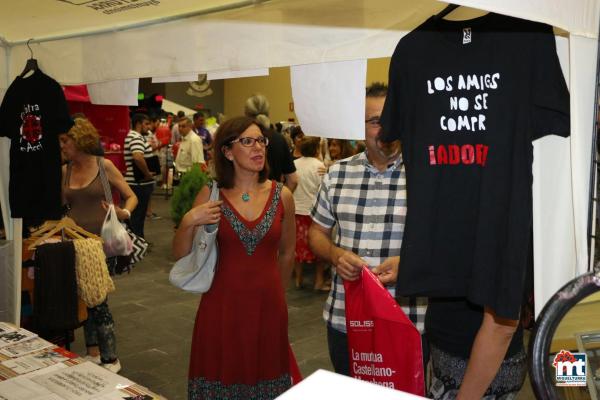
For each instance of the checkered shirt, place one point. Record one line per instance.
(368, 208)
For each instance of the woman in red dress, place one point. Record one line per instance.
(240, 342)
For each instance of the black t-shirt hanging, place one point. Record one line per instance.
(34, 111)
(467, 98)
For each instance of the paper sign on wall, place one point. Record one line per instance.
(114, 93)
(329, 98)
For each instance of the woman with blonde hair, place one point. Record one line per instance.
(83, 194)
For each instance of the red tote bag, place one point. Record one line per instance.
(383, 344)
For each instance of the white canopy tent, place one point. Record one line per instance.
(171, 106)
(98, 41)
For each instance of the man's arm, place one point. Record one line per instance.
(348, 265)
(487, 354)
(291, 181)
(197, 151)
(140, 161)
(387, 271)
(287, 242)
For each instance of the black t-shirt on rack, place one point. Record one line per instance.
(467, 98)
(444, 318)
(34, 111)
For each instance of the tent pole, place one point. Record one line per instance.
(592, 209)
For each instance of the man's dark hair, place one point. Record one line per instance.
(309, 146)
(377, 89)
(180, 114)
(199, 114)
(138, 119)
(296, 131)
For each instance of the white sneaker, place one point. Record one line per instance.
(114, 367)
(95, 359)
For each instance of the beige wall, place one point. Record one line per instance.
(377, 70)
(277, 88)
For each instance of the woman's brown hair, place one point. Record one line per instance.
(346, 149)
(227, 132)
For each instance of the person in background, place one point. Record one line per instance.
(360, 146)
(297, 135)
(190, 151)
(83, 193)
(339, 149)
(240, 346)
(203, 133)
(135, 150)
(365, 197)
(175, 136)
(281, 164)
(156, 145)
(309, 179)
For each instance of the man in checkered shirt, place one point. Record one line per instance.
(365, 197)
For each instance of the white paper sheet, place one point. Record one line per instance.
(116, 93)
(18, 336)
(23, 388)
(5, 328)
(34, 362)
(329, 385)
(26, 347)
(83, 381)
(329, 98)
(213, 76)
(176, 78)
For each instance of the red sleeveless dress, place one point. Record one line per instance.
(240, 341)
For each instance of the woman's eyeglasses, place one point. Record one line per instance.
(249, 141)
(373, 121)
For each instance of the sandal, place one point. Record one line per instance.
(323, 288)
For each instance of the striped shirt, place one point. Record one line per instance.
(135, 143)
(368, 207)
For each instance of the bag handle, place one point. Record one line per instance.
(104, 179)
(214, 192)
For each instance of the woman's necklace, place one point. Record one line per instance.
(245, 197)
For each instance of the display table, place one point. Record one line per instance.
(34, 369)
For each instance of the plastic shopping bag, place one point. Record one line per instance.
(295, 373)
(114, 235)
(384, 346)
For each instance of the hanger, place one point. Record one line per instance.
(66, 226)
(32, 64)
(449, 8)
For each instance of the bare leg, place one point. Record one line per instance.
(298, 274)
(320, 277)
(93, 351)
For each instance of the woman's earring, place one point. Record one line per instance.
(229, 157)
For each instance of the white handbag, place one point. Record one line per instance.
(195, 271)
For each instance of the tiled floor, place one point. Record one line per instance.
(154, 320)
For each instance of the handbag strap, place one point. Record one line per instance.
(104, 179)
(214, 192)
